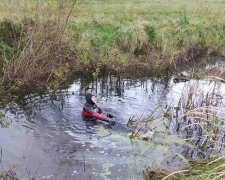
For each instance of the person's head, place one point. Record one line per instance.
(91, 98)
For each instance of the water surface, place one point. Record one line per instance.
(47, 138)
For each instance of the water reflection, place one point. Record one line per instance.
(74, 148)
(197, 115)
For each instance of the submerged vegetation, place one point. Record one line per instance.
(194, 114)
(8, 175)
(191, 125)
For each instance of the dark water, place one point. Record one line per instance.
(47, 138)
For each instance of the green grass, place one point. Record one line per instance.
(159, 11)
(171, 27)
(113, 35)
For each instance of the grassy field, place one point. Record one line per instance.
(160, 32)
(159, 11)
(119, 35)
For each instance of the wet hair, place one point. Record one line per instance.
(88, 98)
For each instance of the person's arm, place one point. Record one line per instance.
(98, 116)
(93, 114)
(102, 118)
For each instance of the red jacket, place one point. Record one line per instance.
(92, 112)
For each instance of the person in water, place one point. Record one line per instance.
(92, 112)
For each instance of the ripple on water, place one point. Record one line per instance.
(65, 143)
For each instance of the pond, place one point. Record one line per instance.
(44, 136)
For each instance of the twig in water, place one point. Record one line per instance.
(84, 162)
(1, 158)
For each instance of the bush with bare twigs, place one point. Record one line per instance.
(41, 49)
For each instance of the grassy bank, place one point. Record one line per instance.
(197, 170)
(154, 36)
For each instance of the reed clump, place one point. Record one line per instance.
(197, 116)
(200, 116)
(213, 169)
(36, 52)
